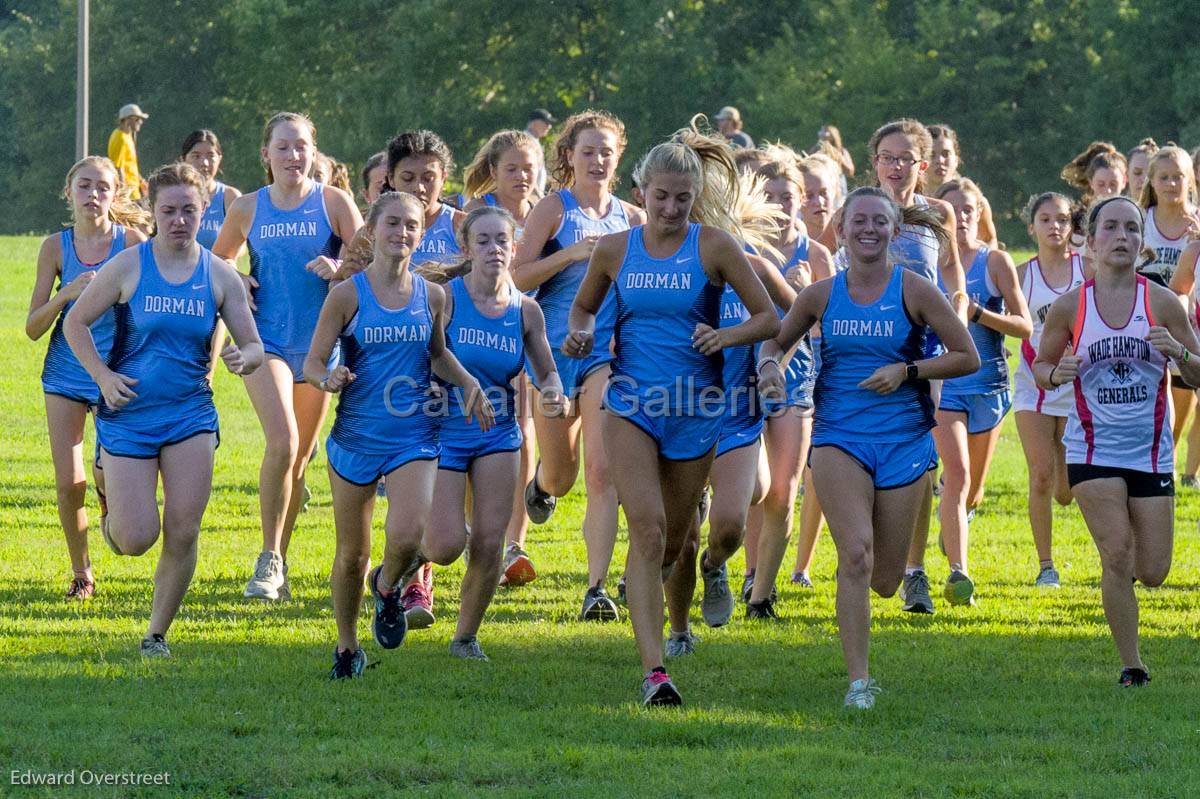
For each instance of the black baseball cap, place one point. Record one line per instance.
(542, 114)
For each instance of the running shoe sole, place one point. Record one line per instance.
(520, 572)
(960, 592)
(419, 618)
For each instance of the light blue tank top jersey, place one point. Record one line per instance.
(557, 294)
(659, 302)
(61, 372)
(490, 199)
(438, 243)
(992, 377)
(800, 368)
(738, 371)
(281, 243)
(916, 247)
(388, 352)
(214, 217)
(855, 341)
(491, 349)
(162, 340)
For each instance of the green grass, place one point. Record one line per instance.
(1016, 697)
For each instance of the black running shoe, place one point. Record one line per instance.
(761, 610)
(1133, 678)
(621, 590)
(348, 664)
(597, 606)
(539, 505)
(390, 624)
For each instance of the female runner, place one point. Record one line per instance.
(1184, 284)
(104, 221)
(1172, 220)
(390, 324)
(552, 257)
(1139, 166)
(294, 228)
(665, 404)
(944, 167)
(1041, 414)
(900, 153)
(202, 150)
(503, 174)
(1118, 331)
(418, 162)
(157, 416)
(373, 177)
(491, 328)
(871, 443)
(1098, 172)
(973, 407)
(789, 423)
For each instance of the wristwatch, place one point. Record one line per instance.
(910, 370)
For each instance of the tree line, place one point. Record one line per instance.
(1026, 83)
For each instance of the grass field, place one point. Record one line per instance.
(1016, 697)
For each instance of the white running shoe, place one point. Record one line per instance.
(267, 579)
(861, 695)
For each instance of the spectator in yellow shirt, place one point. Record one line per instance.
(122, 148)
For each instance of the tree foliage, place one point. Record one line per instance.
(1025, 82)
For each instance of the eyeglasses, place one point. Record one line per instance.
(904, 161)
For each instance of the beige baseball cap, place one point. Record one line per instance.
(131, 110)
(729, 112)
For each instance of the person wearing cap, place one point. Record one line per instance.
(729, 122)
(122, 147)
(540, 121)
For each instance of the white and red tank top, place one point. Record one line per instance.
(1122, 397)
(1039, 296)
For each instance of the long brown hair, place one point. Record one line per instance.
(914, 130)
(591, 119)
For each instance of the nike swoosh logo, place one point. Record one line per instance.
(682, 260)
(1164, 483)
(916, 465)
(201, 286)
(509, 323)
(886, 307)
(310, 210)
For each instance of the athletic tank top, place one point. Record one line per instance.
(490, 199)
(1122, 396)
(61, 366)
(855, 341)
(992, 377)
(659, 303)
(388, 352)
(1040, 296)
(214, 216)
(1161, 266)
(916, 247)
(799, 370)
(491, 349)
(438, 243)
(557, 294)
(162, 340)
(281, 243)
(738, 373)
